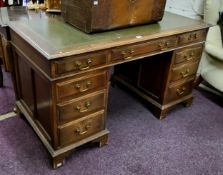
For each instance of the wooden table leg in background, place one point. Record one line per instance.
(1, 77)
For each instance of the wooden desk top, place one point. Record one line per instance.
(54, 38)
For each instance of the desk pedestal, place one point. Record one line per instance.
(161, 81)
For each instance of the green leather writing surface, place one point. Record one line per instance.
(54, 38)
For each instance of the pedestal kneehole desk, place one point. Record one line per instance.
(62, 74)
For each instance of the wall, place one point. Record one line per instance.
(189, 8)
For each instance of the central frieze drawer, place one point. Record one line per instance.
(131, 51)
(80, 63)
(82, 128)
(188, 54)
(82, 106)
(184, 71)
(82, 85)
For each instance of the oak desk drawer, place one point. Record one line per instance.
(81, 106)
(82, 128)
(196, 36)
(188, 54)
(82, 85)
(80, 63)
(184, 71)
(129, 52)
(176, 92)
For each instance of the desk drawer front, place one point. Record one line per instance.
(196, 36)
(129, 52)
(81, 63)
(80, 108)
(80, 129)
(81, 86)
(188, 54)
(184, 71)
(178, 91)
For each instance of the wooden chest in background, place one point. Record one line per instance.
(53, 5)
(100, 15)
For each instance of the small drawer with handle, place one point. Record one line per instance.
(142, 49)
(188, 54)
(175, 92)
(82, 106)
(191, 37)
(82, 85)
(79, 129)
(80, 63)
(184, 71)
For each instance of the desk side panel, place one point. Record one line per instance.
(34, 86)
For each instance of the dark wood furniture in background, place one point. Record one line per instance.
(1, 63)
(1, 74)
(62, 74)
(8, 14)
(14, 3)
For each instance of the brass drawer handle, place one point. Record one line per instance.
(192, 36)
(82, 131)
(127, 54)
(85, 108)
(133, 1)
(181, 91)
(164, 45)
(185, 73)
(85, 86)
(190, 56)
(81, 67)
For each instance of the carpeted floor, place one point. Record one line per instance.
(7, 97)
(188, 142)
